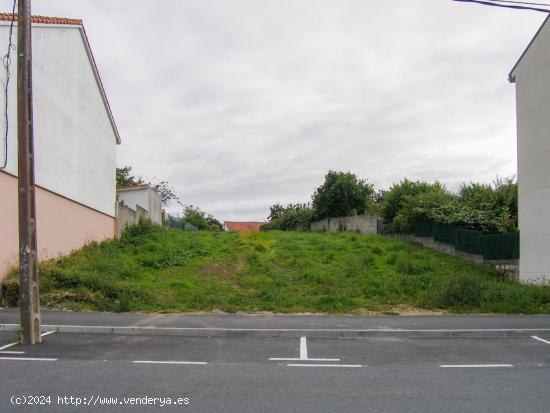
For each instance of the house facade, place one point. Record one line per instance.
(531, 76)
(75, 140)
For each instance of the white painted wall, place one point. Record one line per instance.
(146, 198)
(74, 139)
(532, 78)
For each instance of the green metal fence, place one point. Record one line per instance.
(501, 246)
(491, 247)
(469, 241)
(423, 229)
(444, 233)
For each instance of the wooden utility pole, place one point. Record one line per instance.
(28, 282)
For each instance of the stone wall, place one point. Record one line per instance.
(365, 224)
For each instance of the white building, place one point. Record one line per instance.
(532, 78)
(144, 197)
(75, 144)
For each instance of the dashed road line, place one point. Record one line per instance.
(27, 359)
(47, 333)
(325, 365)
(12, 352)
(298, 359)
(474, 366)
(541, 339)
(169, 362)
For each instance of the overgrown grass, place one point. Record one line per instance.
(161, 270)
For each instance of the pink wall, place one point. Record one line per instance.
(63, 225)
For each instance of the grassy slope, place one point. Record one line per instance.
(153, 269)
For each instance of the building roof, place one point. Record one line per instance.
(132, 187)
(39, 20)
(242, 226)
(512, 75)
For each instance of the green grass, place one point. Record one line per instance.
(160, 270)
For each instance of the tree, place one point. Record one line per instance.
(342, 194)
(167, 194)
(124, 177)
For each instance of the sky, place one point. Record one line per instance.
(242, 104)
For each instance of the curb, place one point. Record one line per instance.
(286, 333)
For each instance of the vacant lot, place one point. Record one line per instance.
(161, 270)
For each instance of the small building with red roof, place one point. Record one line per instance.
(233, 226)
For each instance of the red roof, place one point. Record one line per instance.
(242, 226)
(131, 187)
(43, 19)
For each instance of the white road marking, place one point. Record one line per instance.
(9, 345)
(12, 352)
(47, 333)
(473, 366)
(303, 348)
(298, 359)
(168, 362)
(303, 354)
(541, 339)
(27, 359)
(325, 365)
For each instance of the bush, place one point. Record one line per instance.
(291, 218)
(401, 206)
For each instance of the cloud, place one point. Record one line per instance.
(242, 104)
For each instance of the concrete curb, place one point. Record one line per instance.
(287, 333)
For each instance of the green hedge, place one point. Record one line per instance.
(492, 247)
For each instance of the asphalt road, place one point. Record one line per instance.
(246, 374)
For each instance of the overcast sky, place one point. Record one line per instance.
(240, 104)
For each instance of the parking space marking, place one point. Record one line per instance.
(12, 352)
(27, 359)
(169, 362)
(541, 339)
(9, 345)
(303, 348)
(47, 333)
(298, 359)
(474, 366)
(325, 365)
(303, 354)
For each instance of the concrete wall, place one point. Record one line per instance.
(532, 78)
(366, 224)
(75, 142)
(146, 198)
(62, 225)
(127, 216)
(507, 268)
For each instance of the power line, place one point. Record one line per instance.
(522, 2)
(519, 5)
(6, 61)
